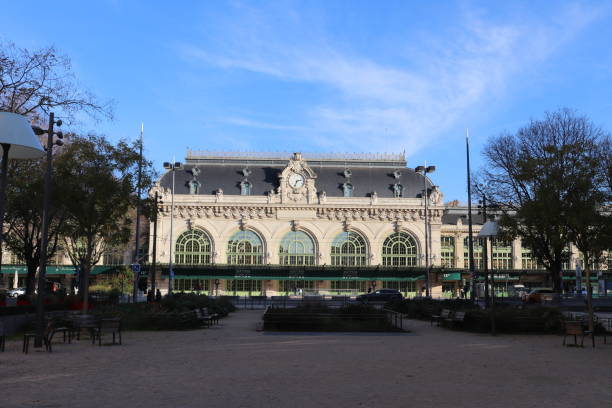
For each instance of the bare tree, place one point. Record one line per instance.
(36, 83)
(536, 175)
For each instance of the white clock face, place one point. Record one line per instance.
(296, 180)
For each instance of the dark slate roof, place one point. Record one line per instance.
(451, 218)
(264, 177)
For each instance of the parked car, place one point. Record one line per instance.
(16, 292)
(381, 295)
(539, 295)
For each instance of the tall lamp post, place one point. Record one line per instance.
(42, 270)
(172, 167)
(137, 256)
(423, 170)
(18, 142)
(152, 270)
(490, 229)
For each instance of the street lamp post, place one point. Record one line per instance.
(172, 167)
(42, 270)
(152, 271)
(423, 170)
(137, 257)
(490, 229)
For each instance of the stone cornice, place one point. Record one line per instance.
(280, 211)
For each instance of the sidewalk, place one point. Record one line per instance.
(232, 365)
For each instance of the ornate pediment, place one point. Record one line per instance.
(297, 182)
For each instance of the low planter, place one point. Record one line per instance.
(326, 320)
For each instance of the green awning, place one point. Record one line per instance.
(51, 270)
(454, 276)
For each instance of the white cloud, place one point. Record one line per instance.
(375, 104)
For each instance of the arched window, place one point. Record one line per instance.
(192, 248)
(245, 188)
(399, 249)
(348, 249)
(297, 248)
(245, 248)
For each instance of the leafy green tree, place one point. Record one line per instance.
(537, 175)
(100, 184)
(34, 83)
(24, 216)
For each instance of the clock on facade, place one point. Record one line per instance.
(296, 180)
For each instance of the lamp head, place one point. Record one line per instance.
(177, 165)
(430, 169)
(167, 165)
(419, 169)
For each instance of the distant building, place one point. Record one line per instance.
(277, 224)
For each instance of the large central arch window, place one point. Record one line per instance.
(192, 248)
(245, 248)
(348, 249)
(399, 249)
(297, 248)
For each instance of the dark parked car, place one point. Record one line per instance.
(381, 295)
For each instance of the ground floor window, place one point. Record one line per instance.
(345, 287)
(241, 287)
(296, 287)
(406, 288)
(191, 285)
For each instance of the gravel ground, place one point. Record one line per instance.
(232, 365)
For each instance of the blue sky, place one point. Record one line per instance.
(329, 76)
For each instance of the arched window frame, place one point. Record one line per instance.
(245, 247)
(400, 249)
(289, 249)
(349, 248)
(185, 251)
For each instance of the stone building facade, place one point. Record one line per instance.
(273, 224)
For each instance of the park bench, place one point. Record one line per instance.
(47, 338)
(214, 317)
(575, 328)
(79, 322)
(203, 317)
(442, 316)
(454, 319)
(107, 326)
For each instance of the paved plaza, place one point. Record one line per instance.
(232, 365)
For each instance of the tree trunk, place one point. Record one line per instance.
(587, 268)
(85, 287)
(31, 279)
(557, 279)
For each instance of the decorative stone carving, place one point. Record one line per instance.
(303, 191)
(436, 195)
(373, 198)
(295, 225)
(219, 195)
(242, 224)
(322, 197)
